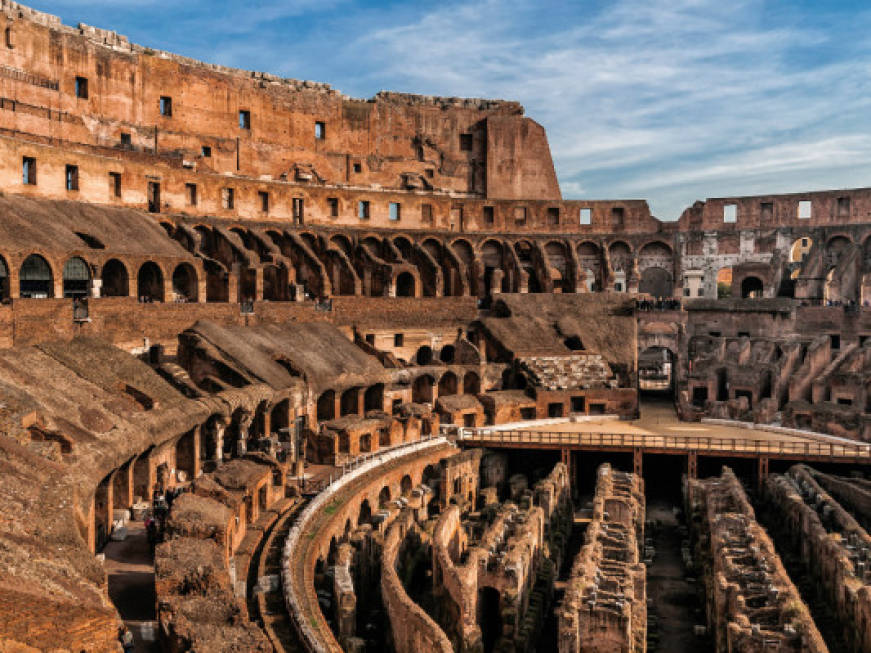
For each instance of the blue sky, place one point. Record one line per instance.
(665, 100)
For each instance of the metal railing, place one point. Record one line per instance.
(672, 442)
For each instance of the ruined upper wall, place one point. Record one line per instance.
(296, 129)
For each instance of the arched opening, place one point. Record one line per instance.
(184, 283)
(489, 617)
(405, 485)
(491, 258)
(621, 262)
(185, 455)
(447, 354)
(405, 285)
(366, 443)
(76, 278)
(116, 281)
(751, 288)
(424, 355)
(724, 283)
(150, 283)
(722, 385)
(327, 406)
(35, 278)
(365, 513)
(656, 372)
(574, 343)
(835, 248)
(275, 288)
(471, 384)
(384, 496)
(800, 248)
(590, 259)
(373, 399)
(656, 282)
(421, 389)
(448, 384)
(350, 404)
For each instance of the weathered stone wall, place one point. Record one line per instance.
(834, 548)
(605, 602)
(751, 602)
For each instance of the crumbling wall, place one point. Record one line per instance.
(835, 549)
(605, 603)
(751, 602)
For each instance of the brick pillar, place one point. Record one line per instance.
(762, 472)
(692, 465)
(267, 422)
(201, 285)
(198, 463)
(361, 401)
(91, 537)
(258, 284)
(233, 285)
(637, 459)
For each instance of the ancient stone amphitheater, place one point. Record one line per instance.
(285, 370)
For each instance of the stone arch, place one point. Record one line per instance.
(751, 288)
(326, 407)
(343, 243)
(421, 389)
(424, 355)
(620, 254)
(559, 265)
(447, 354)
(406, 485)
(76, 278)
(656, 281)
(590, 261)
(35, 278)
(800, 248)
(835, 247)
(406, 285)
(525, 252)
(448, 384)
(471, 383)
(149, 282)
(373, 398)
(185, 285)
(365, 512)
(492, 259)
(384, 496)
(116, 280)
(350, 402)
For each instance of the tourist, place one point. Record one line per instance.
(126, 639)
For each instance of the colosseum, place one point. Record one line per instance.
(283, 370)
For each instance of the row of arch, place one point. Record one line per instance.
(36, 280)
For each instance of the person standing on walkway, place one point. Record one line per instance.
(126, 638)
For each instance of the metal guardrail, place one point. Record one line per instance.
(676, 443)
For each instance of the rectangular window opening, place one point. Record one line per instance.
(519, 215)
(363, 209)
(192, 194)
(72, 177)
(426, 213)
(730, 213)
(153, 197)
(298, 206)
(489, 216)
(264, 201)
(766, 210)
(29, 171)
(617, 214)
(333, 205)
(320, 130)
(244, 119)
(358, 168)
(466, 142)
(586, 216)
(553, 216)
(843, 207)
(165, 105)
(395, 211)
(82, 88)
(804, 209)
(115, 184)
(206, 151)
(126, 140)
(398, 340)
(228, 198)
